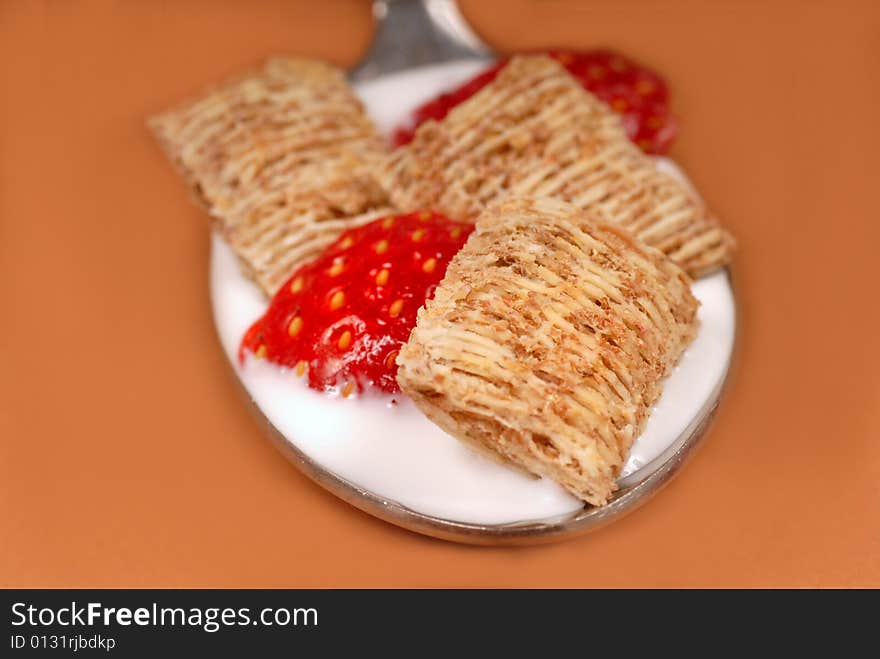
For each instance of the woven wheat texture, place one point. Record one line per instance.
(282, 159)
(547, 342)
(535, 131)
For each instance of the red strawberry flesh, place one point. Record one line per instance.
(343, 317)
(639, 95)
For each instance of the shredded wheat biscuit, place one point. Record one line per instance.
(535, 131)
(282, 159)
(547, 341)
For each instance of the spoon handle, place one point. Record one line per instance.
(411, 33)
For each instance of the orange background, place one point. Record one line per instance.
(128, 457)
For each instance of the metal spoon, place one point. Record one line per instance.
(417, 33)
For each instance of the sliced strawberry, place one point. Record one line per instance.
(639, 95)
(344, 316)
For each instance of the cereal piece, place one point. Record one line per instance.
(547, 341)
(534, 131)
(282, 159)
